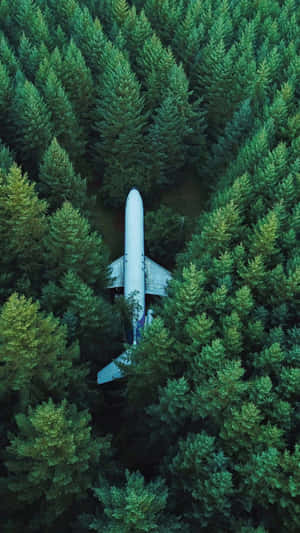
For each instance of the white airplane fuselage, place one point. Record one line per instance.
(134, 258)
(138, 275)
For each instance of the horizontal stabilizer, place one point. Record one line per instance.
(117, 273)
(112, 371)
(156, 278)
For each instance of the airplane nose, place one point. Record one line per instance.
(134, 196)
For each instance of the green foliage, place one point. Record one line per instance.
(70, 244)
(120, 123)
(142, 93)
(89, 317)
(67, 129)
(135, 507)
(61, 455)
(22, 222)
(164, 234)
(147, 360)
(57, 180)
(32, 121)
(78, 83)
(35, 359)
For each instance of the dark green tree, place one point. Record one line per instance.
(70, 244)
(58, 181)
(28, 56)
(66, 126)
(78, 83)
(32, 121)
(121, 120)
(165, 233)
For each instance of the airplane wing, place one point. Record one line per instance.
(112, 371)
(156, 277)
(117, 273)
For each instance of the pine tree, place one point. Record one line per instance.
(120, 125)
(28, 56)
(70, 244)
(35, 359)
(154, 64)
(61, 459)
(66, 126)
(164, 17)
(90, 38)
(93, 321)
(32, 122)
(78, 83)
(147, 360)
(136, 29)
(7, 56)
(58, 181)
(170, 128)
(6, 158)
(6, 98)
(145, 505)
(22, 223)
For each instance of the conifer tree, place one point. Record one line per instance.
(89, 317)
(28, 56)
(61, 459)
(32, 121)
(66, 126)
(164, 17)
(70, 244)
(120, 125)
(136, 29)
(35, 359)
(144, 503)
(78, 83)
(6, 98)
(154, 64)
(170, 128)
(58, 181)
(6, 158)
(22, 222)
(7, 56)
(90, 38)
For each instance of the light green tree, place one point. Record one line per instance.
(61, 457)
(35, 358)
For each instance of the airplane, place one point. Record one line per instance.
(139, 275)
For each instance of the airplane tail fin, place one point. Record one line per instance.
(112, 371)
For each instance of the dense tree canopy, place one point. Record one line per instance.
(203, 434)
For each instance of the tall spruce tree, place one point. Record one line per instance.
(32, 121)
(78, 83)
(58, 181)
(121, 120)
(66, 125)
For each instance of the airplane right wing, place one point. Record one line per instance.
(156, 278)
(117, 273)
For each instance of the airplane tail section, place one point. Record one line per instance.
(112, 371)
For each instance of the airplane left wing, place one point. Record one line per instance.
(117, 273)
(156, 277)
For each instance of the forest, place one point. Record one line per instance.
(203, 432)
